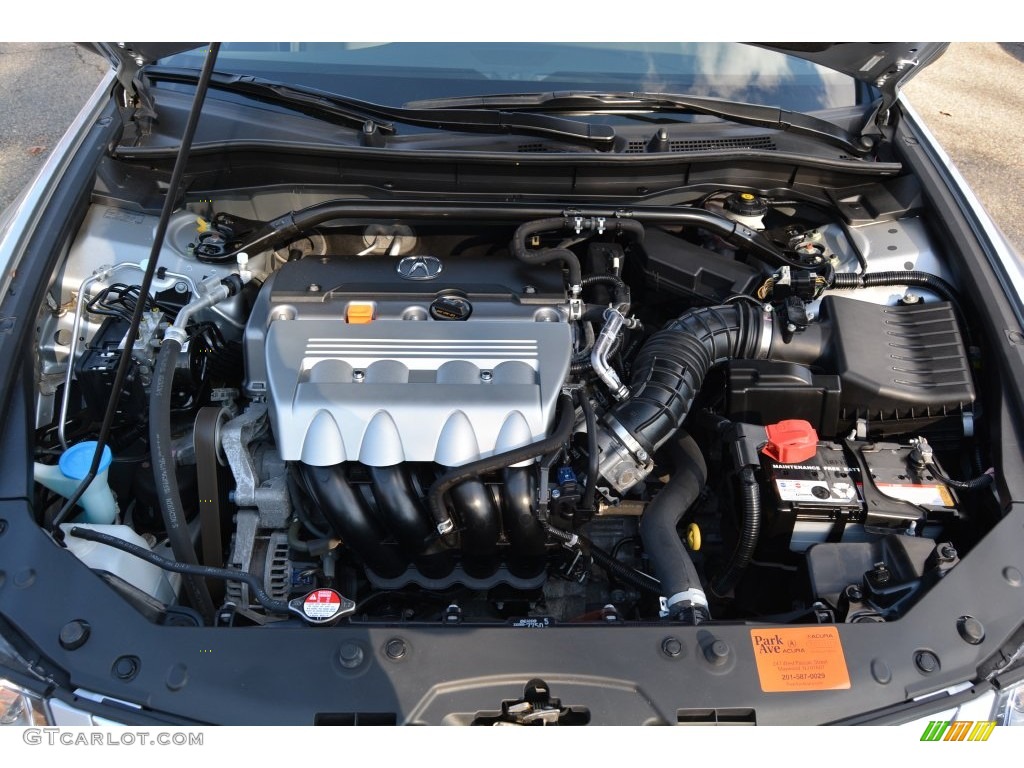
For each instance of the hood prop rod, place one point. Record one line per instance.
(147, 280)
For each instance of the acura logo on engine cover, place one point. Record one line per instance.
(419, 267)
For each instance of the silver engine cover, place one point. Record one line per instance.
(404, 387)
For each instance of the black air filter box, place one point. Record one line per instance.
(895, 362)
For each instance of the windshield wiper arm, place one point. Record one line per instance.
(596, 101)
(357, 113)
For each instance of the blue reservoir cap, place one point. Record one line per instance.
(77, 459)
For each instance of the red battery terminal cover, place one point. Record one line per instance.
(791, 441)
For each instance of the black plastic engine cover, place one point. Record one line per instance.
(418, 277)
(673, 264)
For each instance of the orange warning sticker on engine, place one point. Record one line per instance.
(800, 659)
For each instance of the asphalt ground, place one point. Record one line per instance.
(972, 99)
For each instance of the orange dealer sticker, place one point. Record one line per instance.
(800, 659)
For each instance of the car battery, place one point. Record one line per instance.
(849, 492)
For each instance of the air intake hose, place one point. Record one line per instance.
(670, 368)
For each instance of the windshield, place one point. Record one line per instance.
(396, 73)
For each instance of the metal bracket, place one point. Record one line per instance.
(235, 438)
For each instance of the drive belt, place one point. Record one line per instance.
(207, 447)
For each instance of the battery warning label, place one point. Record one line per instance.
(926, 495)
(800, 659)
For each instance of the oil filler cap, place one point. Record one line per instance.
(322, 606)
(791, 441)
(450, 308)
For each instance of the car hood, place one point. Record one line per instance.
(886, 66)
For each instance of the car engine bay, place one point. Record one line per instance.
(753, 406)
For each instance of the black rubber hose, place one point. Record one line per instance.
(622, 294)
(722, 584)
(401, 508)
(670, 367)
(545, 255)
(626, 574)
(567, 257)
(589, 337)
(623, 572)
(166, 476)
(524, 529)
(680, 584)
(974, 484)
(351, 517)
(186, 569)
(297, 544)
(561, 435)
(593, 452)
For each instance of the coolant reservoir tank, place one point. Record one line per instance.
(147, 577)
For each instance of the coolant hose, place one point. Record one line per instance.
(166, 477)
(561, 435)
(567, 257)
(722, 584)
(680, 584)
(545, 255)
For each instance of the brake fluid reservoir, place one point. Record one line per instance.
(147, 577)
